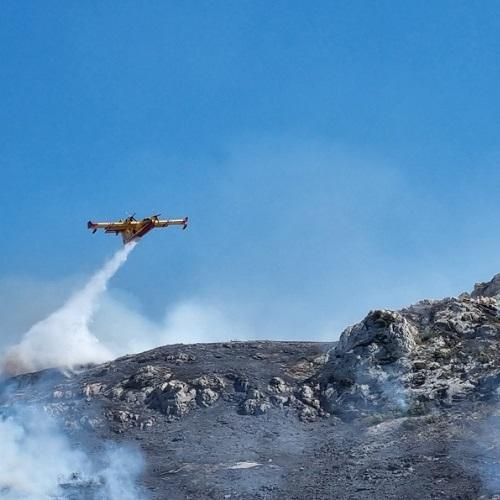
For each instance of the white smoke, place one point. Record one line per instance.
(123, 467)
(126, 330)
(64, 339)
(39, 463)
(93, 326)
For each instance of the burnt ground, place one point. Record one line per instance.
(217, 452)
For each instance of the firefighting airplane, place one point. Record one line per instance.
(132, 229)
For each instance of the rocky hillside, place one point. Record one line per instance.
(405, 404)
(430, 355)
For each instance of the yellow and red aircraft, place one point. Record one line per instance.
(132, 229)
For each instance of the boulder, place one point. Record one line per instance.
(214, 382)
(147, 376)
(308, 414)
(278, 386)
(91, 390)
(173, 398)
(364, 370)
(306, 395)
(254, 407)
(206, 397)
(383, 335)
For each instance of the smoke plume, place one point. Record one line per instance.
(64, 339)
(38, 462)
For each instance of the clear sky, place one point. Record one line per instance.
(333, 156)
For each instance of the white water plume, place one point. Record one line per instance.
(63, 339)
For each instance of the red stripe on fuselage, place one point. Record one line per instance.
(150, 225)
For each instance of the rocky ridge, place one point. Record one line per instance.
(407, 362)
(137, 391)
(426, 377)
(432, 354)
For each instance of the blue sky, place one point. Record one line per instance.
(333, 156)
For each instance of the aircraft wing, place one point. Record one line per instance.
(110, 227)
(171, 222)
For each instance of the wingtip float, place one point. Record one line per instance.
(132, 229)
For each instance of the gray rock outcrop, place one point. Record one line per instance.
(431, 354)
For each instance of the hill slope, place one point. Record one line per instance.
(405, 405)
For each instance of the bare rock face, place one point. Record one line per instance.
(208, 389)
(146, 376)
(458, 350)
(431, 354)
(362, 369)
(488, 289)
(214, 382)
(91, 390)
(383, 335)
(173, 398)
(136, 388)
